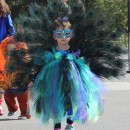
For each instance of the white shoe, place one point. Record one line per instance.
(21, 117)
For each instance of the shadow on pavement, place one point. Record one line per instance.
(8, 119)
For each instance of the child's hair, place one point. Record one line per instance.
(62, 22)
(4, 8)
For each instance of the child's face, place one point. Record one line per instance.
(62, 35)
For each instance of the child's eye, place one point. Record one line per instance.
(59, 33)
(67, 33)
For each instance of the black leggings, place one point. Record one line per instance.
(58, 125)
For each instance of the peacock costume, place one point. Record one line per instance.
(64, 84)
(65, 87)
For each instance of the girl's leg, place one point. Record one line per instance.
(69, 125)
(69, 122)
(57, 126)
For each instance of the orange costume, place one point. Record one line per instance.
(6, 80)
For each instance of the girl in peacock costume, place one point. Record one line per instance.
(65, 87)
(63, 38)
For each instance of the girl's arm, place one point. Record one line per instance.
(10, 27)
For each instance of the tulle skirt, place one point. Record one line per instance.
(66, 87)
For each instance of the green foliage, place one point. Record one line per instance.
(117, 12)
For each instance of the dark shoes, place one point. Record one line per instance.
(21, 117)
(11, 113)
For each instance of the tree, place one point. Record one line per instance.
(117, 12)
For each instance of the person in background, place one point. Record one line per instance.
(6, 30)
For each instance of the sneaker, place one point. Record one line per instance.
(11, 113)
(24, 117)
(69, 127)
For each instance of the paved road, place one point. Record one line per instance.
(116, 116)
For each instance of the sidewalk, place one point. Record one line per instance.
(116, 116)
(118, 85)
(123, 83)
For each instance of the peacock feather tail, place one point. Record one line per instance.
(94, 34)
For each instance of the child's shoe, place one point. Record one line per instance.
(69, 127)
(24, 117)
(11, 113)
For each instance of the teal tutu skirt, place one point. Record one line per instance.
(66, 88)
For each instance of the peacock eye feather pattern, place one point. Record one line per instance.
(11, 68)
(94, 34)
(22, 53)
(76, 76)
(19, 62)
(18, 37)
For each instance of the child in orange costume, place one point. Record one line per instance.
(6, 30)
(2, 64)
(7, 80)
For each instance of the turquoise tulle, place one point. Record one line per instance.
(48, 95)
